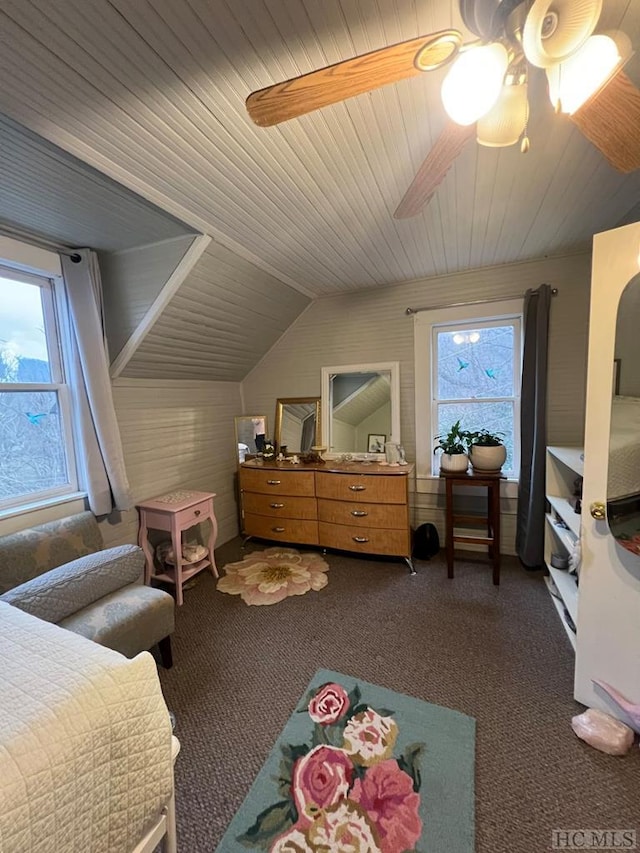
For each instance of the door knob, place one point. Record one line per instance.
(598, 510)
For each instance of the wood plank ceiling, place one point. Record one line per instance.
(152, 93)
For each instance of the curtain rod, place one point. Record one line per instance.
(409, 311)
(40, 242)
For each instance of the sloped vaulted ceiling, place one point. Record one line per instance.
(152, 92)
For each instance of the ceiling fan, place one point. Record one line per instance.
(485, 90)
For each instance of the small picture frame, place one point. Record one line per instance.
(375, 442)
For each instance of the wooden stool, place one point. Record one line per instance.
(491, 482)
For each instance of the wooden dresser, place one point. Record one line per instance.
(348, 506)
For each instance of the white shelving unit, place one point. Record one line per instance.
(564, 465)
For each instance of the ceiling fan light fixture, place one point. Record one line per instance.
(506, 120)
(474, 82)
(555, 29)
(573, 82)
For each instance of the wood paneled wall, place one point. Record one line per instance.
(372, 326)
(176, 434)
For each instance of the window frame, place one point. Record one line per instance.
(424, 324)
(55, 330)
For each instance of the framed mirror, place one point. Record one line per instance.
(250, 435)
(623, 486)
(297, 424)
(360, 407)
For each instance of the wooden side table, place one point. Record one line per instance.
(491, 482)
(176, 513)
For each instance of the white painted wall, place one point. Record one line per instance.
(372, 326)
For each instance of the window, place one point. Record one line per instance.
(36, 447)
(468, 368)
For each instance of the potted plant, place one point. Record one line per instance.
(486, 450)
(454, 452)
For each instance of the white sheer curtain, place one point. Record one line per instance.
(100, 458)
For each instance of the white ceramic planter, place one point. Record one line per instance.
(489, 459)
(454, 462)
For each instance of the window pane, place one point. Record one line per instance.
(32, 456)
(23, 344)
(495, 417)
(475, 363)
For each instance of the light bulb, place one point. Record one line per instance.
(474, 82)
(458, 338)
(506, 120)
(575, 80)
(474, 337)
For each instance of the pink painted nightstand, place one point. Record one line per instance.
(176, 512)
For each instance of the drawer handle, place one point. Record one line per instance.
(359, 513)
(197, 512)
(276, 506)
(357, 488)
(360, 538)
(277, 529)
(273, 482)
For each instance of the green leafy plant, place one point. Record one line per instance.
(452, 442)
(483, 438)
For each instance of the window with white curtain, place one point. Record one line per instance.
(468, 363)
(37, 459)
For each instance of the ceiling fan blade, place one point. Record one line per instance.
(301, 95)
(434, 169)
(611, 121)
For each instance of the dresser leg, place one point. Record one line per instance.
(409, 562)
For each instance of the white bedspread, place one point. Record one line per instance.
(624, 448)
(85, 742)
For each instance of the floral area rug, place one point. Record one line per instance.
(361, 769)
(266, 577)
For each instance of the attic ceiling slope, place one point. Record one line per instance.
(225, 316)
(153, 91)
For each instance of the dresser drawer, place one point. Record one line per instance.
(367, 540)
(279, 506)
(367, 488)
(274, 482)
(281, 529)
(363, 515)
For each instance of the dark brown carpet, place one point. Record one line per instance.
(498, 654)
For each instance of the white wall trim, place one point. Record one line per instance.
(29, 258)
(177, 277)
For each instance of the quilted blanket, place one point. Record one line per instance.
(85, 741)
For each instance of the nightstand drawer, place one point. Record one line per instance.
(193, 515)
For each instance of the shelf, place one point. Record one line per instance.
(566, 537)
(564, 509)
(568, 589)
(188, 571)
(557, 603)
(569, 456)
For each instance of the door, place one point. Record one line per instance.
(608, 639)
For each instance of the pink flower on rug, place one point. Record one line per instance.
(386, 794)
(292, 841)
(320, 778)
(329, 704)
(343, 828)
(269, 576)
(370, 738)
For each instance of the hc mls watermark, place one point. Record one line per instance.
(593, 839)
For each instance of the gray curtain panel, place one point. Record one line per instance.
(533, 429)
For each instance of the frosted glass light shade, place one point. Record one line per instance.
(474, 82)
(573, 81)
(506, 120)
(555, 29)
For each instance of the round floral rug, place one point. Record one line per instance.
(269, 576)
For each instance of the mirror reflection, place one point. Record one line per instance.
(360, 407)
(623, 488)
(297, 424)
(251, 431)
